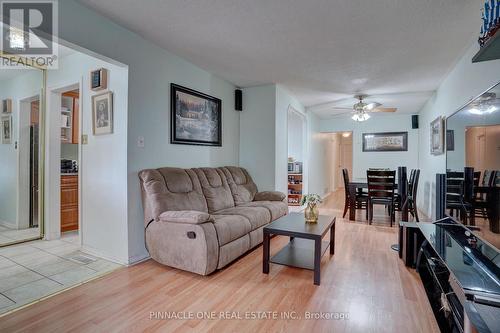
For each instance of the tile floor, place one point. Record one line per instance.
(8, 235)
(34, 270)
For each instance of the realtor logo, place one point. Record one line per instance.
(29, 29)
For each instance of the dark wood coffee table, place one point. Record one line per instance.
(305, 248)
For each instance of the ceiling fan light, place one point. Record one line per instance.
(361, 116)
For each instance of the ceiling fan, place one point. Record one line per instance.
(362, 109)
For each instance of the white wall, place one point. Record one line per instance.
(295, 136)
(465, 81)
(257, 135)
(151, 70)
(377, 123)
(318, 172)
(102, 177)
(264, 135)
(284, 100)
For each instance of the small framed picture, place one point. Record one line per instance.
(6, 129)
(102, 113)
(437, 136)
(99, 79)
(7, 105)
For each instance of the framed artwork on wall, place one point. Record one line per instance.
(6, 129)
(450, 140)
(387, 141)
(7, 105)
(102, 113)
(437, 136)
(99, 79)
(195, 117)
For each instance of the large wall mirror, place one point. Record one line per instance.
(473, 141)
(21, 152)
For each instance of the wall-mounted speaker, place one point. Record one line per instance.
(238, 100)
(414, 121)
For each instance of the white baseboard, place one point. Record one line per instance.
(100, 254)
(134, 260)
(8, 225)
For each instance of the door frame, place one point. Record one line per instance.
(337, 170)
(23, 160)
(53, 170)
(305, 150)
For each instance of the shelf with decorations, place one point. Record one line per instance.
(294, 189)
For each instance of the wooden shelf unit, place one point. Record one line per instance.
(294, 189)
(70, 107)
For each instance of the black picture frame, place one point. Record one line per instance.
(403, 146)
(175, 114)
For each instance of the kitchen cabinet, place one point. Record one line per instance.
(69, 203)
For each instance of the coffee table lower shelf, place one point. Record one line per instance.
(298, 253)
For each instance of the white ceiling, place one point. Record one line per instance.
(321, 50)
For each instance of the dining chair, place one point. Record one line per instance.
(381, 191)
(456, 196)
(412, 193)
(481, 199)
(361, 197)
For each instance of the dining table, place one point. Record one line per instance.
(401, 185)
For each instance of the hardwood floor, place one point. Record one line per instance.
(364, 279)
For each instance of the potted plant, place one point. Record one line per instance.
(311, 213)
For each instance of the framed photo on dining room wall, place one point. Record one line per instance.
(195, 117)
(102, 113)
(385, 141)
(437, 136)
(6, 129)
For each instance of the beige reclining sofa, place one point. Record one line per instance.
(202, 219)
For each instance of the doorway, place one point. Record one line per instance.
(297, 157)
(70, 132)
(481, 147)
(338, 157)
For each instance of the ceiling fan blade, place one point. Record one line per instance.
(384, 110)
(341, 114)
(371, 106)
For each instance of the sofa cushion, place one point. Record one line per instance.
(169, 189)
(242, 186)
(277, 209)
(231, 227)
(269, 196)
(215, 188)
(185, 216)
(257, 216)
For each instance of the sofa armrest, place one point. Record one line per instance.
(269, 196)
(185, 216)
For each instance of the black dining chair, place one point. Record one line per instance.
(412, 193)
(480, 202)
(361, 197)
(457, 198)
(381, 191)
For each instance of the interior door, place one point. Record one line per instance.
(346, 156)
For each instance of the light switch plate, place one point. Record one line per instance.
(140, 141)
(85, 139)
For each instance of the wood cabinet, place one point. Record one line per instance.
(69, 202)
